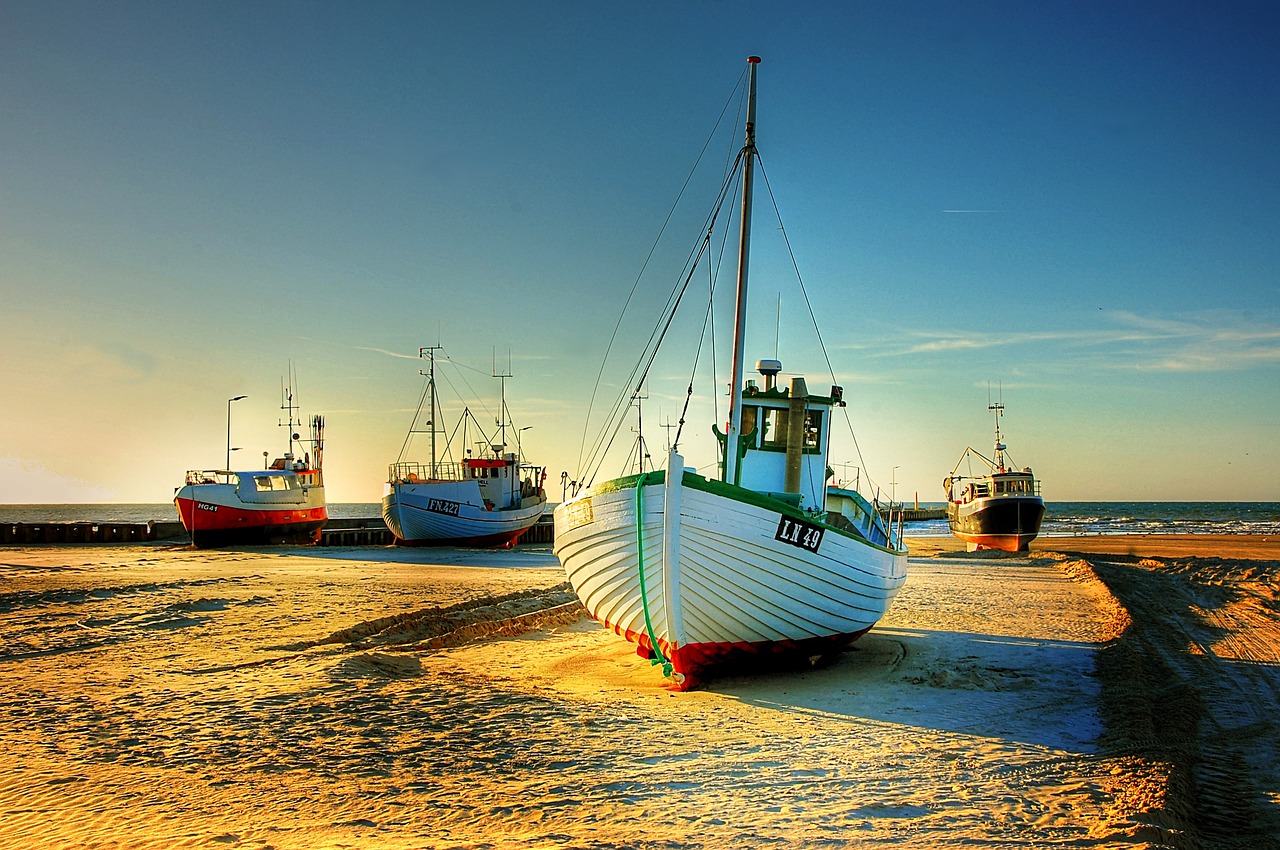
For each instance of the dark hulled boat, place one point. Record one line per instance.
(998, 509)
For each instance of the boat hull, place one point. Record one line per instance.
(1007, 523)
(214, 515)
(447, 514)
(732, 581)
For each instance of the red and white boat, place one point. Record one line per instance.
(283, 503)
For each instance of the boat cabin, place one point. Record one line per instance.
(271, 486)
(1015, 484)
(964, 489)
(502, 480)
(785, 438)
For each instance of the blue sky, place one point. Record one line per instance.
(1076, 204)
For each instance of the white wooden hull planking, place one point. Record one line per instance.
(734, 591)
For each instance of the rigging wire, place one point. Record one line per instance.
(475, 396)
(739, 90)
(709, 321)
(809, 306)
(590, 461)
(707, 318)
(656, 337)
(466, 412)
(426, 388)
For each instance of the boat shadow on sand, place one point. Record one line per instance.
(1035, 693)
(1180, 699)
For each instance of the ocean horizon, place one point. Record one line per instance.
(1062, 519)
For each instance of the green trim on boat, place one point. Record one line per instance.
(761, 500)
(738, 494)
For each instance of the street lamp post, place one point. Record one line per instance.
(237, 398)
(893, 485)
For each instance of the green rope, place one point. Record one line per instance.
(658, 658)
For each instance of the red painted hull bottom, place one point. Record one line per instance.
(694, 663)
(1003, 542)
(505, 540)
(229, 526)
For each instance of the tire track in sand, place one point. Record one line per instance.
(1192, 684)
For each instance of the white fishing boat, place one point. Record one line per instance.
(765, 565)
(998, 508)
(488, 500)
(281, 503)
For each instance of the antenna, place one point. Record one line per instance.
(667, 426)
(286, 403)
(998, 408)
(642, 450)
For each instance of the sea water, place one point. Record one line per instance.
(1069, 519)
(1061, 518)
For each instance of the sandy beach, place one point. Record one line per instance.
(1095, 692)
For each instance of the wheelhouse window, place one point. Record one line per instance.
(266, 483)
(750, 416)
(774, 433)
(775, 428)
(812, 430)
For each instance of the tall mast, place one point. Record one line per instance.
(431, 385)
(502, 400)
(744, 249)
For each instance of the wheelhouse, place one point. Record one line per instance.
(785, 439)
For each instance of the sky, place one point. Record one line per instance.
(1071, 208)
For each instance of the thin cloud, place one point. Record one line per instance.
(1213, 341)
(386, 352)
(949, 341)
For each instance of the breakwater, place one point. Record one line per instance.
(88, 532)
(349, 531)
(356, 531)
(915, 514)
(374, 532)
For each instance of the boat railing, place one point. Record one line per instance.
(211, 476)
(414, 473)
(881, 524)
(893, 520)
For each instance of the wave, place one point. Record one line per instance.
(1078, 518)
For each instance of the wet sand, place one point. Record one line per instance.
(1095, 692)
